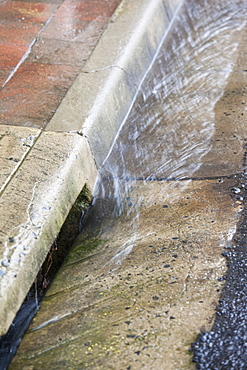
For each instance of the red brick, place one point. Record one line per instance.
(17, 120)
(70, 29)
(4, 74)
(26, 12)
(11, 55)
(35, 91)
(42, 76)
(51, 51)
(86, 10)
(42, 1)
(17, 33)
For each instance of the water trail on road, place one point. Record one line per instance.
(170, 127)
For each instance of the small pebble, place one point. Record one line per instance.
(236, 190)
(5, 263)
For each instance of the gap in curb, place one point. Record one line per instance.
(55, 257)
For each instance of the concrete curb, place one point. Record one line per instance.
(40, 191)
(102, 94)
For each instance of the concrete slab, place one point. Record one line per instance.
(16, 142)
(227, 153)
(139, 291)
(34, 206)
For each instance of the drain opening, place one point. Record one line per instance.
(58, 251)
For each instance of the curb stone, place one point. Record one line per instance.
(58, 162)
(106, 88)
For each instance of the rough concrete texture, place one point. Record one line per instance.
(42, 192)
(228, 141)
(15, 145)
(39, 190)
(100, 313)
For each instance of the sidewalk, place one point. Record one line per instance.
(43, 48)
(66, 88)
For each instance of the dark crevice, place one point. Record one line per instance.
(63, 242)
(59, 250)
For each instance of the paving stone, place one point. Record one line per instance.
(87, 10)
(42, 1)
(59, 52)
(35, 91)
(15, 144)
(11, 55)
(71, 29)
(16, 33)
(26, 12)
(4, 74)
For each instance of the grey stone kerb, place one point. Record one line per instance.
(36, 197)
(99, 100)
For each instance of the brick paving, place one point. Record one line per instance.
(43, 47)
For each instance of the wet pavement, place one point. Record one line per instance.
(58, 116)
(165, 237)
(138, 302)
(44, 45)
(224, 346)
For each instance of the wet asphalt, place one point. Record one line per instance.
(225, 345)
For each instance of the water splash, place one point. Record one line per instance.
(171, 125)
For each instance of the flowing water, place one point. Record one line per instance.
(163, 189)
(172, 123)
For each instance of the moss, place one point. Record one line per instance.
(62, 244)
(83, 248)
(68, 232)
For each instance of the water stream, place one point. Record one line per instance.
(164, 143)
(166, 137)
(172, 123)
